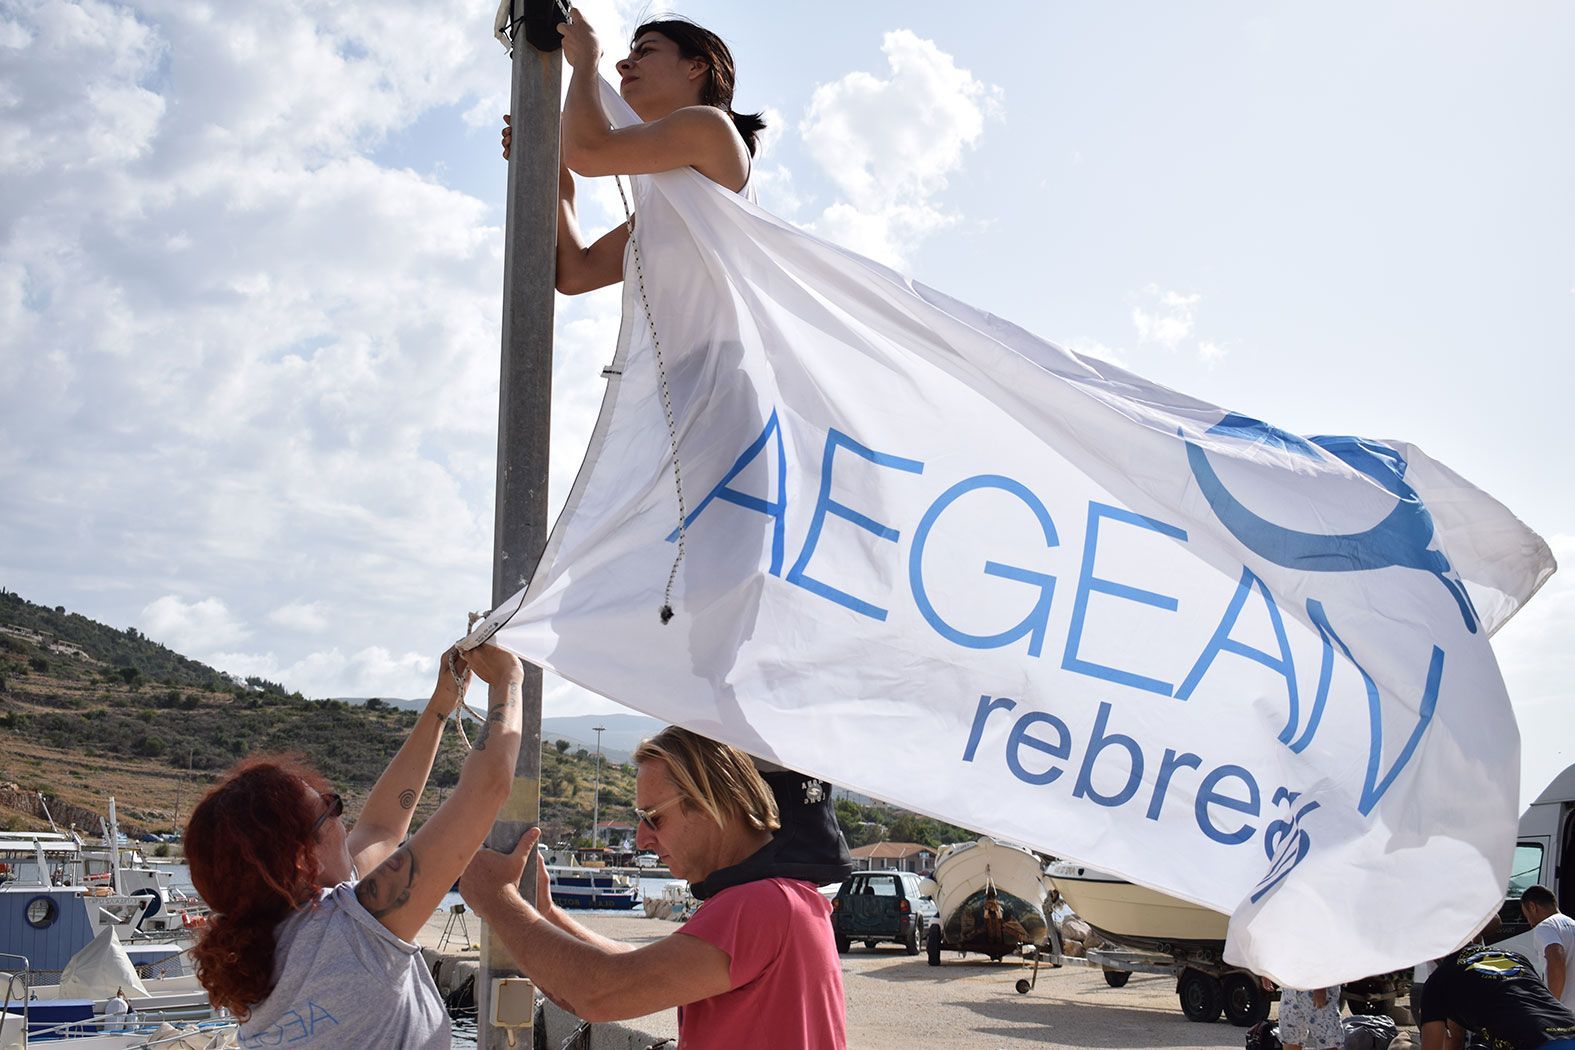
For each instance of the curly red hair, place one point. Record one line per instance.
(250, 847)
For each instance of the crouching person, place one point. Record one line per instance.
(756, 957)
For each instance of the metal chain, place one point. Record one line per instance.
(667, 405)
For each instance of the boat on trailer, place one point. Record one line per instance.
(991, 899)
(1135, 916)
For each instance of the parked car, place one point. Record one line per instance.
(880, 906)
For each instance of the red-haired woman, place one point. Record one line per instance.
(300, 946)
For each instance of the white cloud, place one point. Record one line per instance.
(1168, 319)
(191, 628)
(889, 144)
(1164, 317)
(244, 360)
(372, 671)
(300, 616)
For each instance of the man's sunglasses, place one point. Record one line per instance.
(648, 816)
(336, 807)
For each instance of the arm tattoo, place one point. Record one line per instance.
(388, 888)
(480, 743)
(495, 715)
(407, 798)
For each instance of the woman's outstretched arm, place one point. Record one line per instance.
(385, 819)
(404, 891)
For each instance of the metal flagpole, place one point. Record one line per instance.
(524, 417)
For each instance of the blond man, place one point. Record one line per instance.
(756, 957)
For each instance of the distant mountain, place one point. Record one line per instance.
(623, 732)
(403, 705)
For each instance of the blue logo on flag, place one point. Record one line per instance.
(1404, 538)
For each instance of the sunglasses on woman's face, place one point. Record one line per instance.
(336, 807)
(649, 818)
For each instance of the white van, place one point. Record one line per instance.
(1544, 853)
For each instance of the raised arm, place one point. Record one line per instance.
(701, 137)
(404, 890)
(595, 979)
(385, 819)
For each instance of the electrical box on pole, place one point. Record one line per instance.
(524, 421)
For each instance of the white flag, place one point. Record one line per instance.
(943, 562)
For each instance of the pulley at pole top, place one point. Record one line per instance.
(540, 20)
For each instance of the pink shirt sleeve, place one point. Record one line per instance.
(749, 923)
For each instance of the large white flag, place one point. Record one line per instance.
(943, 562)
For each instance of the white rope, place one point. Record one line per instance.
(461, 682)
(667, 405)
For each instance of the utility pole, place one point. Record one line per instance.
(524, 418)
(596, 798)
(179, 782)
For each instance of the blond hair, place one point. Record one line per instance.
(718, 779)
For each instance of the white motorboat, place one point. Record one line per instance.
(1128, 914)
(105, 994)
(991, 899)
(592, 888)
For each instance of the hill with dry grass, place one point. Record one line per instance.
(89, 711)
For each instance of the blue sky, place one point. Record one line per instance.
(250, 272)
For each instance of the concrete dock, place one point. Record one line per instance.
(897, 1001)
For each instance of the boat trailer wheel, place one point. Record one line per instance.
(1201, 996)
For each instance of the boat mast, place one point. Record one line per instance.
(112, 835)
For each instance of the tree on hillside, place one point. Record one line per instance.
(561, 744)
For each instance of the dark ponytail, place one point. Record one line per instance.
(697, 42)
(749, 125)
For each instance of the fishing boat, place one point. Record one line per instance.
(592, 888)
(991, 898)
(1134, 916)
(57, 893)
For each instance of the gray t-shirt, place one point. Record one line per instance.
(341, 979)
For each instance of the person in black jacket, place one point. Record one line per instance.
(1495, 993)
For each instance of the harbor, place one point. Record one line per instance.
(1108, 974)
(896, 1001)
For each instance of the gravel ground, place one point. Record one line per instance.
(896, 1000)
